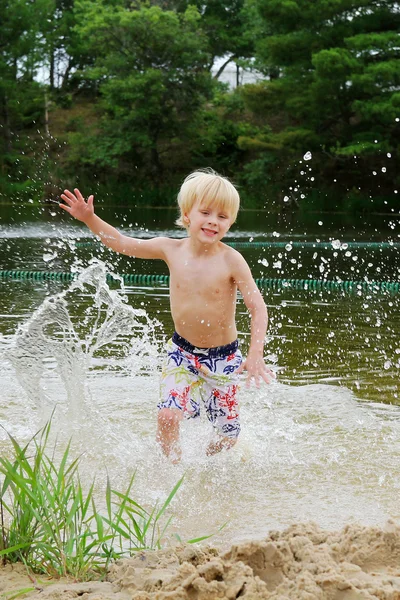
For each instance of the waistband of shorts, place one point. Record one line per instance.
(217, 351)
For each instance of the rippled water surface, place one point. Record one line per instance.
(321, 443)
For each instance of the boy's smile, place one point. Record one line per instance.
(208, 223)
(209, 232)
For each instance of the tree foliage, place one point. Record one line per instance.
(128, 88)
(150, 70)
(338, 88)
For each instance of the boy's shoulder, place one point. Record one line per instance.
(234, 261)
(232, 255)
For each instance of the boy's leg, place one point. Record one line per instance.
(222, 411)
(168, 432)
(177, 388)
(221, 388)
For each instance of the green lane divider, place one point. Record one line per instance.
(298, 245)
(263, 283)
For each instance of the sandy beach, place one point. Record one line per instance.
(302, 562)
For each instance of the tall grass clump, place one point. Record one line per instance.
(51, 524)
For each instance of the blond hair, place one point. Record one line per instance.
(206, 186)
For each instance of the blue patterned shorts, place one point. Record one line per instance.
(191, 376)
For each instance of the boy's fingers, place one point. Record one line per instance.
(69, 195)
(240, 369)
(90, 201)
(65, 207)
(79, 195)
(267, 377)
(67, 200)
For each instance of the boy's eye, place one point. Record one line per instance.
(223, 217)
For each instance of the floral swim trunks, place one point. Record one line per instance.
(191, 375)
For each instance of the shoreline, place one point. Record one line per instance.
(302, 562)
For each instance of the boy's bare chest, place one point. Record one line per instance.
(191, 277)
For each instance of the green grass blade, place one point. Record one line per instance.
(170, 497)
(61, 469)
(12, 595)
(13, 548)
(207, 537)
(108, 497)
(100, 528)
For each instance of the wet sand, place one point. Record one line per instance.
(303, 562)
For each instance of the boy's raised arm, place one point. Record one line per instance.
(254, 363)
(76, 206)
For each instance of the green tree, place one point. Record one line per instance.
(151, 72)
(21, 97)
(338, 89)
(59, 42)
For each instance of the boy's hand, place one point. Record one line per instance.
(77, 206)
(256, 369)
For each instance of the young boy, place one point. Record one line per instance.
(203, 359)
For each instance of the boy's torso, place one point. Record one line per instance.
(203, 295)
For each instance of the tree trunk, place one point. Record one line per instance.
(52, 67)
(46, 114)
(66, 75)
(222, 67)
(6, 127)
(156, 165)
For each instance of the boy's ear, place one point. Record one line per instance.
(186, 219)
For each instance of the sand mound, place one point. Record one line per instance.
(303, 562)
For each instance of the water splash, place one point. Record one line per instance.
(58, 346)
(304, 451)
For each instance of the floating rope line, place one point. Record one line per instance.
(263, 283)
(298, 245)
(316, 245)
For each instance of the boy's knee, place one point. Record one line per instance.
(169, 417)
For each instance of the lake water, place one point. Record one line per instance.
(322, 443)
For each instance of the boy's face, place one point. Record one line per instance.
(208, 224)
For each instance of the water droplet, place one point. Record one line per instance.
(263, 262)
(307, 156)
(288, 247)
(336, 244)
(48, 257)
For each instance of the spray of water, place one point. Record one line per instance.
(61, 343)
(304, 452)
